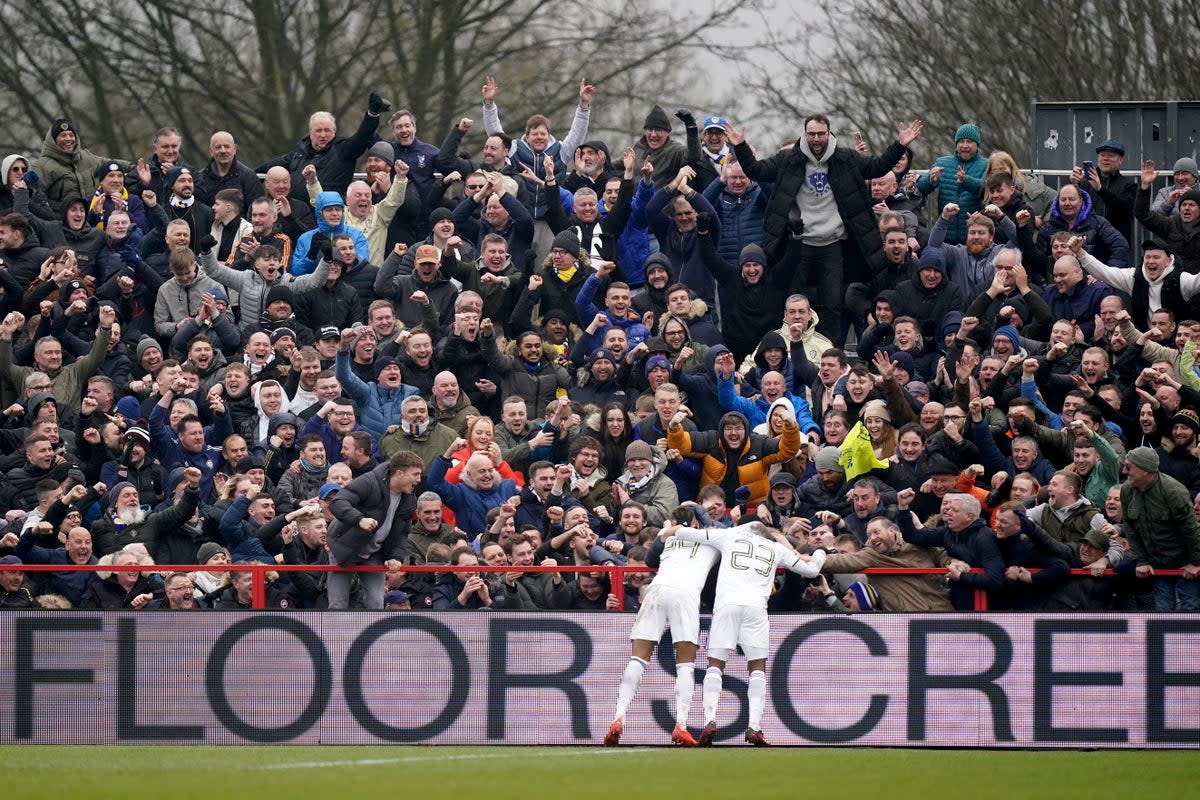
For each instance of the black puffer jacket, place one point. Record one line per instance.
(334, 162)
(848, 176)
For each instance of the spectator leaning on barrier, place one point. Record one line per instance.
(372, 517)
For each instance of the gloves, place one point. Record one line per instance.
(320, 246)
(376, 105)
(129, 254)
(207, 242)
(704, 221)
(686, 117)
(31, 179)
(1026, 523)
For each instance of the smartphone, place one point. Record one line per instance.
(1087, 171)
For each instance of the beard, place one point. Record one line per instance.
(131, 516)
(975, 248)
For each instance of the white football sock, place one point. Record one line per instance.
(712, 693)
(756, 694)
(630, 678)
(685, 687)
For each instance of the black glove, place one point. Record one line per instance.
(686, 117)
(377, 105)
(704, 221)
(320, 245)
(207, 242)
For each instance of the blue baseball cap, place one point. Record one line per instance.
(714, 122)
(328, 489)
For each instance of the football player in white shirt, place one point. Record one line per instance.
(673, 598)
(748, 562)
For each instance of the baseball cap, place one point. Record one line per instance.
(328, 489)
(395, 597)
(426, 254)
(714, 122)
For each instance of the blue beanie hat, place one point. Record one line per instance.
(656, 361)
(1010, 333)
(129, 408)
(866, 594)
(933, 258)
(967, 131)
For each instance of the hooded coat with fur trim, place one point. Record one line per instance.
(747, 465)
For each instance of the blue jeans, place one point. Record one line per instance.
(1176, 594)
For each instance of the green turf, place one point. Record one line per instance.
(575, 773)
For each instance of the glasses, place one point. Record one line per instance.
(16, 168)
(41, 387)
(817, 134)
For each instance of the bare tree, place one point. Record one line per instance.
(872, 62)
(258, 68)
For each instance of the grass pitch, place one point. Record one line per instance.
(532, 773)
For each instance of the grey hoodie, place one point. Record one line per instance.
(815, 203)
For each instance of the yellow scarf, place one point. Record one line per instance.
(565, 275)
(99, 206)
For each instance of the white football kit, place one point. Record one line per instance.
(744, 582)
(673, 597)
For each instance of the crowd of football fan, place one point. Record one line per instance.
(538, 357)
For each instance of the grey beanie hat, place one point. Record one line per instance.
(827, 458)
(1144, 457)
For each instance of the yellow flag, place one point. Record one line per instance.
(857, 455)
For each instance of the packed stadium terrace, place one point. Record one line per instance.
(543, 354)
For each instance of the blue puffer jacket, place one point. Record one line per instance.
(301, 263)
(378, 406)
(470, 505)
(237, 530)
(635, 244)
(741, 217)
(966, 194)
(586, 308)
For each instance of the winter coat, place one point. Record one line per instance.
(1180, 239)
(848, 173)
(742, 217)
(928, 305)
(69, 381)
(368, 496)
(748, 466)
(301, 263)
(63, 175)
(378, 406)
(335, 162)
(658, 495)
(965, 195)
(176, 302)
(683, 249)
(469, 503)
(110, 536)
(1159, 523)
(975, 544)
(537, 384)
(253, 289)
(1101, 239)
(240, 177)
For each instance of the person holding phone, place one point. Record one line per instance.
(1112, 193)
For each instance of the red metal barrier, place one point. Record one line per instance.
(616, 573)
